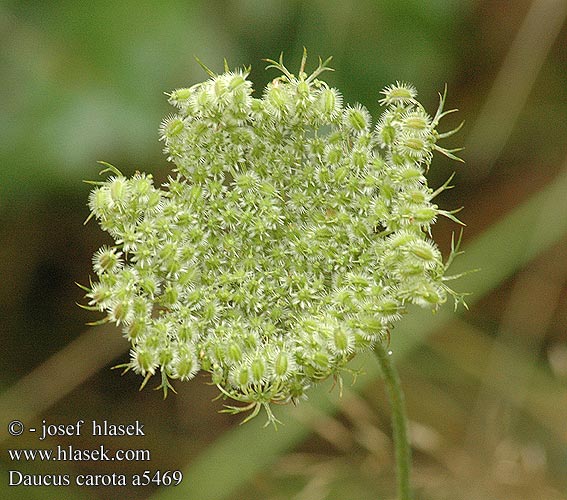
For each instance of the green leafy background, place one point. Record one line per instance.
(485, 388)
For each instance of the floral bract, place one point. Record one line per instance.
(291, 235)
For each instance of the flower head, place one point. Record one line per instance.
(291, 236)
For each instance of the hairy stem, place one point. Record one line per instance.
(399, 421)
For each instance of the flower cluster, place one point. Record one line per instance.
(291, 234)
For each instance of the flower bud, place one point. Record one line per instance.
(400, 93)
(356, 119)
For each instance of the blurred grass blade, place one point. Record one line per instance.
(59, 375)
(510, 244)
(515, 80)
(233, 459)
(545, 403)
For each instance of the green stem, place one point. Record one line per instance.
(399, 421)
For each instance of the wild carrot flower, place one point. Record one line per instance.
(291, 235)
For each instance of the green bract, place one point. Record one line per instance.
(291, 235)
